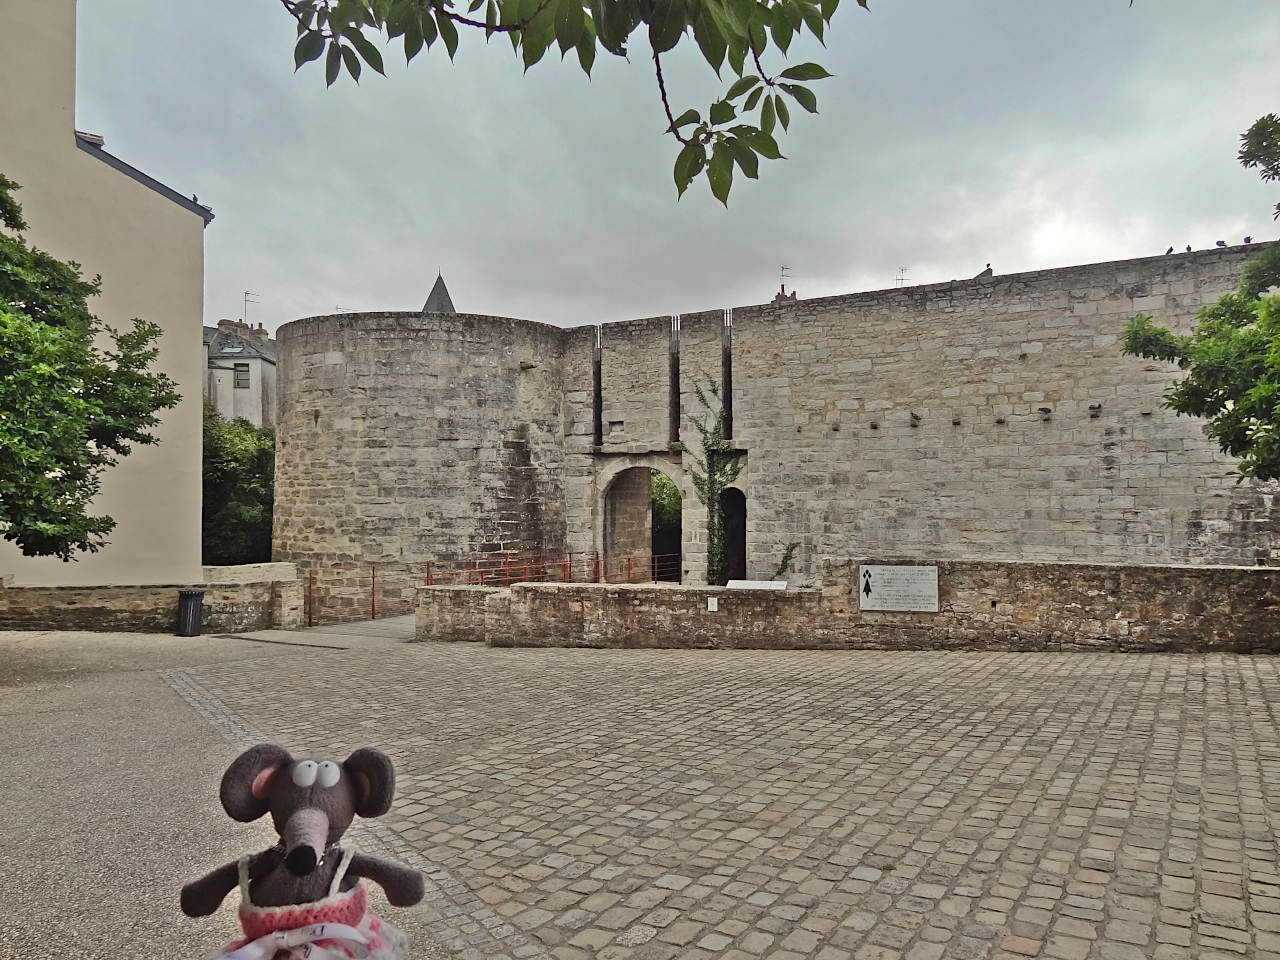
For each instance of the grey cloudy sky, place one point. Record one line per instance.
(1028, 133)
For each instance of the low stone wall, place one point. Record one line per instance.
(251, 573)
(228, 607)
(447, 614)
(982, 606)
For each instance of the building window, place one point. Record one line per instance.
(242, 376)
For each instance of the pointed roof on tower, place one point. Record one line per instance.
(439, 300)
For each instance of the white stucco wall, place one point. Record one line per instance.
(150, 253)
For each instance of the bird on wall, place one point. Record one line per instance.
(1169, 251)
(1248, 239)
(984, 273)
(1222, 243)
(1188, 248)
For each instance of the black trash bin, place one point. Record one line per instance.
(190, 606)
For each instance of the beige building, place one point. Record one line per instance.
(240, 377)
(147, 242)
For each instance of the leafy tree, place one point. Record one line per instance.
(1233, 361)
(665, 496)
(69, 408)
(735, 33)
(1260, 147)
(715, 468)
(239, 490)
(1233, 353)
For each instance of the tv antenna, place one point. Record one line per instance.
(902, 277)
(249, 297)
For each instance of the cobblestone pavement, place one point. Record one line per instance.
(699, 804)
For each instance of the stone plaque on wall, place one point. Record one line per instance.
(912, 589)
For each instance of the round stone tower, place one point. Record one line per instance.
(412, 437)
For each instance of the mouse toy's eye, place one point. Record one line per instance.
(304, 773)
(328, 774)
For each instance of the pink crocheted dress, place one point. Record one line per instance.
(335, 928)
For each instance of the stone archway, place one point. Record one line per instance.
(634, 546)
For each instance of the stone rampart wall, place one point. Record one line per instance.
(984, 605)
(992, 419)
(228, 607)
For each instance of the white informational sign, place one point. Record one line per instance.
(757, 584)
(713, 604)
(911, 589)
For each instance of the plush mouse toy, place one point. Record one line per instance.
(304, 896)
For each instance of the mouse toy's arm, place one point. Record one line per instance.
(202, 897)
(404, 887)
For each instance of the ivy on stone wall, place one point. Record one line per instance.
(716, 468)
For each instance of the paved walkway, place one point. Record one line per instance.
(700, 804)
(703, 804)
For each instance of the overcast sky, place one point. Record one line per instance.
(1028, 134)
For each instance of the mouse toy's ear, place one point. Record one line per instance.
(374, 777)
(246, 786)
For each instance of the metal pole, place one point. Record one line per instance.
(311, 598)
(628, 569)
(373, 591)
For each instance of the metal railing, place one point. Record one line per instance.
(346, 592)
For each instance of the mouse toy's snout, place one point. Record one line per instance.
(305, 838)
(301, 861)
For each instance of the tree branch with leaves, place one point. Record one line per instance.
(733, 133)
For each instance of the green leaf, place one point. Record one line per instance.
(813, 19)
(666, 25)
(759, 141)
(722, 112)
(710, 40)
(745, 156)
(448, 32)
(737, 55)
(802, 95)
(829, 8)
(688, 164)
(741, 86)
(310, 46)
(412, 38)
(587, 47)
(333, 63)
(353, 63)
(784, 113)
(759, 39)
(368, 51)
(490, 18)
(805, 71)
(782, 32)
(753, 99)
(570, 22)
(689, 116)
(720, 172)
(733, 16)
(767, 118)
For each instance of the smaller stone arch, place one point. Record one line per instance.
(632, 547)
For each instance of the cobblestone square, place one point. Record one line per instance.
(706, 804)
